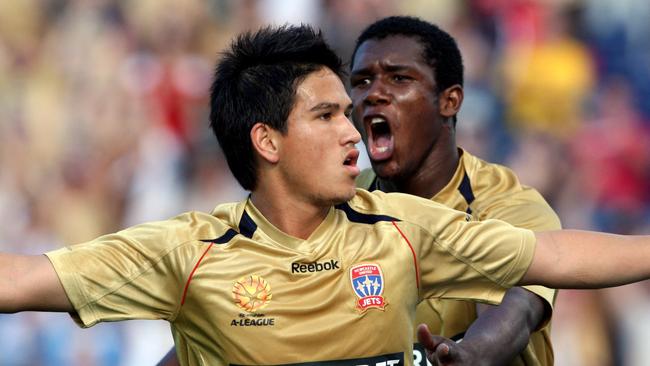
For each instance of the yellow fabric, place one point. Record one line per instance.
(276, 299)
(498, 194)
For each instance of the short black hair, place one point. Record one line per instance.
(256, 81)
(440, 50)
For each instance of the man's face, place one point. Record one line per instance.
(395, 105)
(318, 157)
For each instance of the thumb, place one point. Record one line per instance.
(426, 338)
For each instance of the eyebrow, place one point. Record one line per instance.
(387, 67)
(330, 106)
(325, 105)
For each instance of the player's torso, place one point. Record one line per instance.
(480, 189)
(347, 293)
(488, 191)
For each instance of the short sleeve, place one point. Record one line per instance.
(137, 273)
(475, 260)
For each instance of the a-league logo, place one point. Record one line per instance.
(368, 284)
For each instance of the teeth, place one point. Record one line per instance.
(382, 149)
(376, 120)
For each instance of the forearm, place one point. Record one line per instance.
(10, 271)
(582, 259)
(30, 283)
(502, 332)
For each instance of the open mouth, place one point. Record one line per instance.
(351, 158)
(380, 138)
(350, 162)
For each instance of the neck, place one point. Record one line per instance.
(288, 213)
(433, 174)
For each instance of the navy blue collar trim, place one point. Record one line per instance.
(362, 218)
(247, 228)
(223, 238)
(465, 189)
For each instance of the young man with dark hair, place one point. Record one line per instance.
(407, 87)
(307, 269)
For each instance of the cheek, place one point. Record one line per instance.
(310, 156)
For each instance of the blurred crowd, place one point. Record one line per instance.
(103, 124)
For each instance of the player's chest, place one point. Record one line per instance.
(350, 296)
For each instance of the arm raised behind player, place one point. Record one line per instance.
(29, 282)
(496, 337)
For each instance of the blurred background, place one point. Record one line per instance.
(103, 124)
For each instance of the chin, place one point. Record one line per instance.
(341, 196)
(387, 170)
(352, 192)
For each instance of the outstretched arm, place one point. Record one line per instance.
(170, 359)
(30, 283)
(498, 335)
(584, 259)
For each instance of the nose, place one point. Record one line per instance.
(350, 133)
(376, 94)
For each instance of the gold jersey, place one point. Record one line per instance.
(486, 191)
(238, 291)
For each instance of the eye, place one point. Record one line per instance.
(401, 78)
(360, 82)
(326, 116)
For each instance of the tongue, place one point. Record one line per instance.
(381, 147)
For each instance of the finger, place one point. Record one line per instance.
(443, 353)
(425, 337)
(439, 350)
(446, 353)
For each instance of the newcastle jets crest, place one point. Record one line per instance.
(368, 284)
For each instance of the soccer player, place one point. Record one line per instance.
(308, 268)
(406, 88)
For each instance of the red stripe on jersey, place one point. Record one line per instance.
(415, 260)
(187, 285)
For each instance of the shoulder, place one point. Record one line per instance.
(405, 208)
(500, 195)
(489, 180)
(193, 224)
(480, 170)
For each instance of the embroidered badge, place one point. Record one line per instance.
(368, 284)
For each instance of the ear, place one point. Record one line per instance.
(450, 100)
(266, 142)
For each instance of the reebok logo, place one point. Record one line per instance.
(314, 267)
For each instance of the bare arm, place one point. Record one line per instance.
(501, 332)
(30, 283)
(170, 359)
(584, 259)
(498, 335)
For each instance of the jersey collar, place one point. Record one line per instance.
(254, 218)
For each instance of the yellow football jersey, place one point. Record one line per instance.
(486, 191)
(238, 291)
